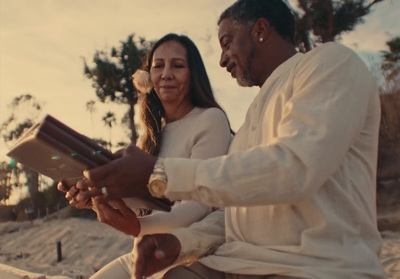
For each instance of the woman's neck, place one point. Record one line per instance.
(174, 112)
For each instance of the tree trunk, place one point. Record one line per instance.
(132, 125)
(32, 180)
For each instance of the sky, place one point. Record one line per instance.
(42, 43)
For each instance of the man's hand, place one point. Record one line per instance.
(124, 177)
(116, 214)
(154, 253)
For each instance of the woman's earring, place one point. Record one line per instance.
(261, 40)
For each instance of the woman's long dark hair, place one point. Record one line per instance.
(201, 94)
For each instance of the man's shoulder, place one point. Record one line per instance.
(331, 49)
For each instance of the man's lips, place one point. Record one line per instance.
(231, 68)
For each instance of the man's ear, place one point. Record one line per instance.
(261, 30)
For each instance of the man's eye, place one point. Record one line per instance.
(225, 44)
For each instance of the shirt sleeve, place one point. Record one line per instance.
(182, 214)
(201, 238)
(321, 120)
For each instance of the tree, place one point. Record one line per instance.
(5, 181)
(109, 119)
(391, 64)
(327, 19)
(90, 107)
(111, 75)
(24, 112)
(389, 133)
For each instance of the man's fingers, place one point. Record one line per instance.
(87, 195)
(99, 174)
(130, 149)
(144, 250)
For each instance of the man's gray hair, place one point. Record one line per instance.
(245, 13)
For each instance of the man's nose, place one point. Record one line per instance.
(223, 60)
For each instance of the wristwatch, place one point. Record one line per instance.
(158, 180)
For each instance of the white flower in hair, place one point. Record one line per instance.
(142, 82)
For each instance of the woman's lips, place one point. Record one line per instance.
(167, 87)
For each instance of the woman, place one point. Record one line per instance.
(181, 119)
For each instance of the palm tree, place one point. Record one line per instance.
(112, 75)
(109, 120)
(90, 107)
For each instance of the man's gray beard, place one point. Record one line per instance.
(247, 79)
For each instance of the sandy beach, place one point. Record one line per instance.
(86, 246)
(29, 250)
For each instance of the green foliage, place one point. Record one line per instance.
(24, 112)
(109, 119)
(101, 142)
(112, 74)
(54, 198)
(391, 63)
(5, 181)
(327, 19)
(389, 133)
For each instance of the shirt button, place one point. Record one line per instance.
(253, 128)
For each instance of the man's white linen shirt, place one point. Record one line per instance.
(299, 181)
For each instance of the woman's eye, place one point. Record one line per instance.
(179, 66)
(158, 66)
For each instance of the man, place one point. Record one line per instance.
(298, 184)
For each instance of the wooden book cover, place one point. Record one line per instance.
(55, 150)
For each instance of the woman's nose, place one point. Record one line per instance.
(167, 73)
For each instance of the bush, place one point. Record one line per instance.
(389, 137)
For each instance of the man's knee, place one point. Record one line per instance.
(180, 272)
(194, 271)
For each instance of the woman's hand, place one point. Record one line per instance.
(116, 214)
(71, 195)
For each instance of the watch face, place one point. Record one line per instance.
(158, 186)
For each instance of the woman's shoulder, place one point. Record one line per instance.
(210, 119)
(210, 113)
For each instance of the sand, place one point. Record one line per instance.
(86, 246)
(29, 250)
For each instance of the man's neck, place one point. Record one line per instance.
(276, 54)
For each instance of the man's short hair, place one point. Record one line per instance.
(245, 13)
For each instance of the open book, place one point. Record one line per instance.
(59, 152)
